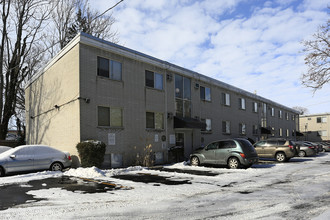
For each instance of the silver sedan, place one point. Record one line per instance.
(306, 150)
(33, 157)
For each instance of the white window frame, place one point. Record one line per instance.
(272, 112)
(227, 127)
(110, 117)
(242, 128)
(207, 93)
(208, 123)
(255, 107)
(242, 103)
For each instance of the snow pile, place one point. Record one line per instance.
(91, 172)
(114, 172)
(96, 173)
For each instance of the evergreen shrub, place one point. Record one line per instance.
(91, 153)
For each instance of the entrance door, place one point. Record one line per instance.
(179, 147)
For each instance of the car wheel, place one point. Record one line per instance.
(57, 166)
(280, 157)
(194, 161)
(302, 153)
(2, 172)
(233, 163)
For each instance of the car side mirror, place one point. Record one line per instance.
(12, 156)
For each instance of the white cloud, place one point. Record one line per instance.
(260, 50)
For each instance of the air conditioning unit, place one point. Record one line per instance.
(169, 77)
(196, 85)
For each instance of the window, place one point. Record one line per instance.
(109, 68)
(280, 113)
(226, 144)
(242, 103)
(182, 96)
(255, 129)
(116, 117)
(287, 133)
(110, 117)
(261, 144)
(225, 99)
(272, 113)
(242, 129)
(115, 73)
(322, 133)
(154, 80)
(264, 105)
(208, 123)
(213, 146)
(255, 107)
(226, 127)
(205, 93)
(154, 120)
(287, 116)
(280, 132)
(102, 67)
(321, 119)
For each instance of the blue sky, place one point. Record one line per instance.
(251, 44)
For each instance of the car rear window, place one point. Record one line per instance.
(246, 144)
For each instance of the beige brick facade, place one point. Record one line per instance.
(71, 80)
(315, 127)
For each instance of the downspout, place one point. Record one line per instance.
(165, 115)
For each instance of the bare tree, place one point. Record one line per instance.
(317, 59)
(74, 16)
(20, 53)
(301, 110)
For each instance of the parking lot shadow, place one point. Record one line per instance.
(17, 194)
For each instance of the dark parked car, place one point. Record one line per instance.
(278, 148)
(33, 157)
(306, 149)
(234, 153)
(317, 147)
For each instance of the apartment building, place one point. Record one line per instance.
(94, 89)
(315, 127)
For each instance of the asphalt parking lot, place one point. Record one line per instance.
(16, 194)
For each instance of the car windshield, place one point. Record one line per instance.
(8, 152)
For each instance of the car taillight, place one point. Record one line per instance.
(290, 146)
(69, 157)
(242, 155)
(311, 147)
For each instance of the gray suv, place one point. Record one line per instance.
(234, 153)
(280, 149)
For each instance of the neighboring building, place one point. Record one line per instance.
(94, 89)
(315, 127)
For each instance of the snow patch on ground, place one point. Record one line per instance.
(298, 189)
(24, 178)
